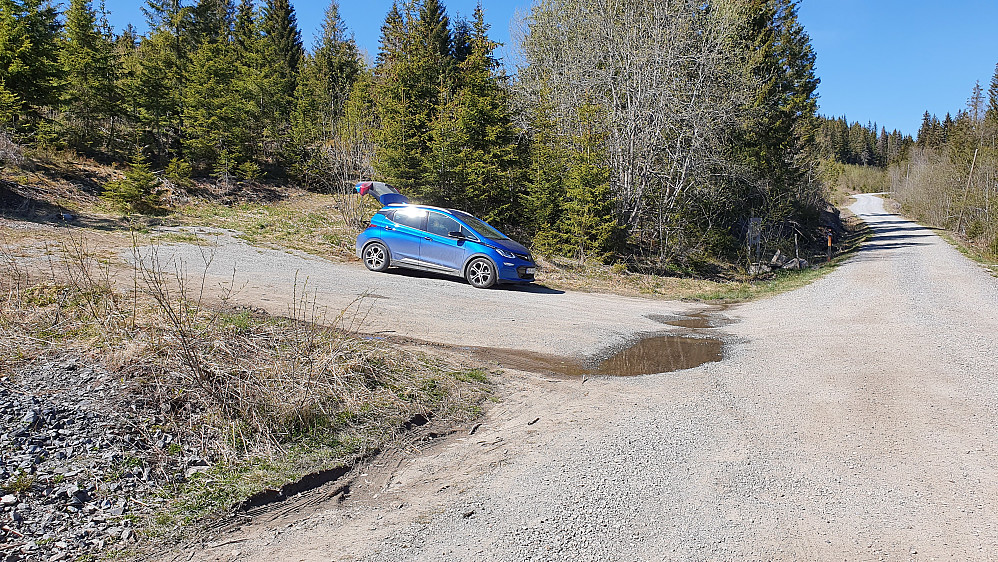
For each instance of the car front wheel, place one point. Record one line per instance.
(376, 256)
(481, 273)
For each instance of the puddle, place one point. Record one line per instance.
(698, 321)
(659, 354)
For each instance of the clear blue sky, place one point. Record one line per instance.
(879, 60)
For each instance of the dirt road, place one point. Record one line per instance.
(412, 304)
(851, 419)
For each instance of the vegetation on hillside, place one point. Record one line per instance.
(648, 137)
(950, 179)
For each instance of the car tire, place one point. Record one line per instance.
(481, 273)
(376, 257)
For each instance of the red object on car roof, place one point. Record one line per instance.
(382, 191)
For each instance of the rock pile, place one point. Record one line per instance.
(81, 460)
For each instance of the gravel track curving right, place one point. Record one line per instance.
(854, 418)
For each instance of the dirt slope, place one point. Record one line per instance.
(853, 418)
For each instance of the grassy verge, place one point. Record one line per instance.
(264, 400)
(321, 225)
(736, 287)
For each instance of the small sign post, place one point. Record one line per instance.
(755, 239)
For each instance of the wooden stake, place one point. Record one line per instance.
(963, 205)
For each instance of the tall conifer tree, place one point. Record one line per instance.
(473, 154)
(30, 69)
(90, 67)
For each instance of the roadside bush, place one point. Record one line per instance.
(141, 191)
(179, 172)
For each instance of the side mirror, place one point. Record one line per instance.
(456, 234)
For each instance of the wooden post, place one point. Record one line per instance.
(963, 205)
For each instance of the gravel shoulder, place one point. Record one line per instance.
(852, 418)
(409, 304)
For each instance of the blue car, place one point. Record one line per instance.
(444, 241)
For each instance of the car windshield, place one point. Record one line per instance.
(483, 228)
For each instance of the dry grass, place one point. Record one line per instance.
(269, 399)
(321, 225)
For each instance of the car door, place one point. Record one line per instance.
(438, 249)
(408, 234)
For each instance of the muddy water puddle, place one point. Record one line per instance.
(658, 354)
(698, 321)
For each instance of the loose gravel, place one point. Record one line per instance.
(850, 419)
(85, 458)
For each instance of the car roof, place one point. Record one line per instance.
(427, 207)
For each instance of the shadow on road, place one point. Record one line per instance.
(420, 274)
(890, 245)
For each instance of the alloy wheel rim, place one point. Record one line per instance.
(375, 257)
(480, 273)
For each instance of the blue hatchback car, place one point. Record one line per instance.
(445, 241)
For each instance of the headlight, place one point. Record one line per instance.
(505, 254)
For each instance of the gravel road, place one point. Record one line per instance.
(853, 418)
(412, 304)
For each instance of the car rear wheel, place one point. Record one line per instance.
(481, 273)
(376, 256)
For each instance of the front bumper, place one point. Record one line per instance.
(517, 271)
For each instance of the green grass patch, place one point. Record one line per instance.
(181, 237)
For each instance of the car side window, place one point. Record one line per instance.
(441, 225)
(468, 234)
(410, 217)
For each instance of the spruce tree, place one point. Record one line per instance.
(90, 67)
(545, 196)
(215, 107)
(991, 111)
(402, 111)
(324, 85)
(414, 80)
(211, 21)
(281, 54)
(282, 37)
(783, 123)
(29, 55)
(473, 152)
(589, 226)
(140, 190)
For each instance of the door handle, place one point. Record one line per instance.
(427, 238)
(389, 228)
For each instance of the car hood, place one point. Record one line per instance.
(510, 246)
